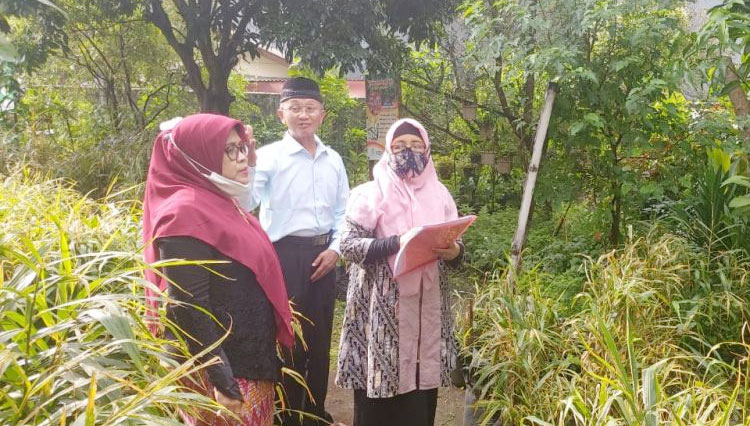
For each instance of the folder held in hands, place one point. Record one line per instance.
(417, 251)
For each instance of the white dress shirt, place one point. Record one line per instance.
(299, 194)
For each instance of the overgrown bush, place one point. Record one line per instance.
(556, 243)
(654, 337)
(73, 345)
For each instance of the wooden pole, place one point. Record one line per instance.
(540, 137)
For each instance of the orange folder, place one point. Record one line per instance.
(417, 250)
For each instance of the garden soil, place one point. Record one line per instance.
(450, 404)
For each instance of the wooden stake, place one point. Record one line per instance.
(540, 137)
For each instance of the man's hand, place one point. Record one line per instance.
(323, 264)
(233, 405)
(449, 253)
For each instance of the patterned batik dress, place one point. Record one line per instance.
(257, 409)
(369, 347)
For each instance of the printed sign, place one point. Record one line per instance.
(382, 96)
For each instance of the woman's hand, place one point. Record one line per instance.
(233, 405)
(252, 157)
(449, 253)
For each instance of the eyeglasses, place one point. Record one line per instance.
(298, 110)
(418, 147)
(233, 150)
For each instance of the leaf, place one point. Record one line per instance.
(651, 188)
(469, 11)
(118, 324)
(577, 127)
(720, 159)
(740, 202)
(737, 180)
(536, 420)
(6, 360)
(91, 405)
(589, 75)
(594, 120)
(618, 65)
(8, 52)
(50, 4)
(649, 393)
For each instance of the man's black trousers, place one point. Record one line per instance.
(315, 302)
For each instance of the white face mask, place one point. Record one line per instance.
(242, 192)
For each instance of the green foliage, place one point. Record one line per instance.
(727, 33)
(618, 112)
(706, 217)
(26, 48)
(91, 111)
(622, 134)
(643, 343)
(73, 345)
(556, 242)
(91, 162)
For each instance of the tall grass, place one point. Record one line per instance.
(656, 336)
(73, 346)
(89, 162)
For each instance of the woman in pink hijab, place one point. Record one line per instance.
(200, 173)
(397, 344)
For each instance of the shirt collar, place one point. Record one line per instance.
(291, 146)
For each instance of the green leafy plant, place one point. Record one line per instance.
(655, 336)
(709, 216)
(73, 345)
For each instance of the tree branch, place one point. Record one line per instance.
(162, 108)
(184, 50)
(456, 98)
(431, 124)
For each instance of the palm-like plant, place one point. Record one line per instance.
(707, 218)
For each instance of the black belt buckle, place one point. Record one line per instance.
(321, 240)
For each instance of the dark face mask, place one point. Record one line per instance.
(408, 164)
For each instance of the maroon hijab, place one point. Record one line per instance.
(179, 201)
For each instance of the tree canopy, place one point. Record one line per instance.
(209, 36)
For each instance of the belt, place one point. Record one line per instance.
(316, 241)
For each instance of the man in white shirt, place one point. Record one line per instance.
(302, 189)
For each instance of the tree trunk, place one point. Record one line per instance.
(113, 104)
(616, 189)
(616, 211)
(738, 97)
(527, 202)
(216, 98)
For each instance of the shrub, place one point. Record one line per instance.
(654, 337)
(73, 346)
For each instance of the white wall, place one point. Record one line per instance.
(697, 12)
(266, 66)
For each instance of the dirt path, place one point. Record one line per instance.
(449, 407)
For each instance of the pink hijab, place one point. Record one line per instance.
(392, 206)
(179, 201)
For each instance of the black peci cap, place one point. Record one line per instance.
(300, 87)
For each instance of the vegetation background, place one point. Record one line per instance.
(632, 307)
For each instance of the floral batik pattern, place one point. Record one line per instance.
(407, 163)
(257, 409)
(368, 351)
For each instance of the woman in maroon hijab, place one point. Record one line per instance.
(200, 172)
